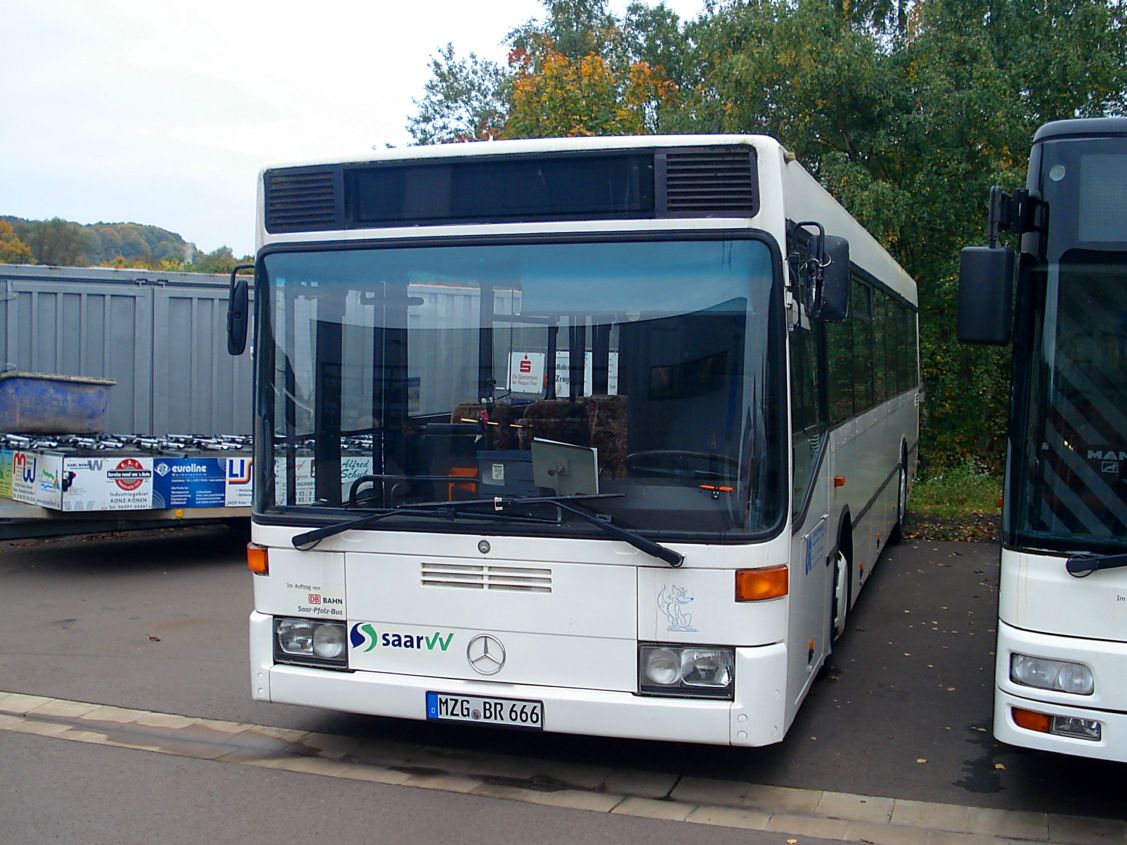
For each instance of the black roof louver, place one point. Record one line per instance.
(707, 182)
(677, 182)
(303, 199)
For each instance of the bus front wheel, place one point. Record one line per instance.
(842, 591)
(897, 532)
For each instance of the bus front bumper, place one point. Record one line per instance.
(1107, 705)
(756, 717)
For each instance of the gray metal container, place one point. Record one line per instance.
(161, 336)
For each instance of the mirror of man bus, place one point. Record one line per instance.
(430, 371)
(985, 309)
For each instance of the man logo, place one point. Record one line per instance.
(486, 654)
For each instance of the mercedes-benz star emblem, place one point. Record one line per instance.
(485, 654)
(483, 547)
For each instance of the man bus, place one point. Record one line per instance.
(596, 435)
(1061, 673)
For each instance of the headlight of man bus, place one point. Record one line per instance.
(675, 670)
(310, 642)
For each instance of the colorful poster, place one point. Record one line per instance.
(526, 372)
(48, 482)
(303, 472)
(25, 467)
(563, 373)
(351, 468)
(239, 486)
(189, 483)
(6, 473)
(84, 484)
(107, 484)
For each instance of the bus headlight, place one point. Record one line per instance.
(686, 670)
(328, 641)
(309, 642)
(295, 636)
(1040, 672)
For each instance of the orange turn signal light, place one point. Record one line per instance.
(1031, 721)
(839, 481)
(768, 582)
(258, 561)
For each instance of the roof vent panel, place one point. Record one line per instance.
(303, 199)
(707, 182)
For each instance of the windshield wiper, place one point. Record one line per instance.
(444, 510)
(452, 510)
(1081, 566)
(633, 538)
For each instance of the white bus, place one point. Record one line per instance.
(1061, 671)
(569, 435)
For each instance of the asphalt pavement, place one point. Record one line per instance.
(158, 621)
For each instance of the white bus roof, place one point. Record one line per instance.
(803, 198)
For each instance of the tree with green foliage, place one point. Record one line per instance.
(221, 260)
(57, 242)
(906, 111)
(464, 100)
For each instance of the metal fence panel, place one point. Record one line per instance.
(161, 336)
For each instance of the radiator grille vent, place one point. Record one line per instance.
(517, 579)
(299, 200)
(717, 182)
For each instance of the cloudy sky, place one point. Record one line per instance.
(163, 112)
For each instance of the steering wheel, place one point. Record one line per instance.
(355, 496)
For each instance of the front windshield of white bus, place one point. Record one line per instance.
(646, 371)
(1068, 455)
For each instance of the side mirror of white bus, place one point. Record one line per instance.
(986, 276)
(833, 299)
(238, 311)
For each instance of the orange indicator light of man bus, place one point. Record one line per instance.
(258, 561)
(769, 582)
(1031, 721)
(839, 481)
(716, 488)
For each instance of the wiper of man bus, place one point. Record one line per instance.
(597, 435)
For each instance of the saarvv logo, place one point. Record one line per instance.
(129, 474)
(365, 636)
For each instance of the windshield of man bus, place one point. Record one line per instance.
(1069, 456)
(392, 376)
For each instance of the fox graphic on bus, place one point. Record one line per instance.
(672, 601)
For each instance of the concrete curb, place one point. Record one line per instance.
(799, 812)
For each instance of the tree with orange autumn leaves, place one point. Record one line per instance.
(12, 249)
(556, 95)
(581, 71)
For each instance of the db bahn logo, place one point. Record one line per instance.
(129, 474)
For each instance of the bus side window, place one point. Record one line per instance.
(862, 318)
